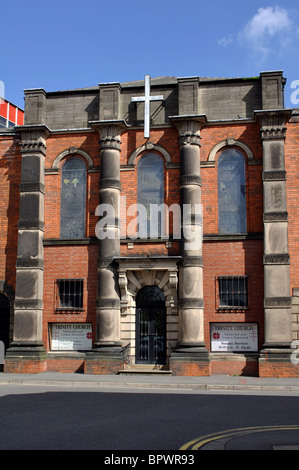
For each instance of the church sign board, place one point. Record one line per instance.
(71, 336)
(234, 337)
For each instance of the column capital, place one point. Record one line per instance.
(110, 133)
(273, 123)
(33, 138)
(189, 128)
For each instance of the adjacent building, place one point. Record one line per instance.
(10, 115)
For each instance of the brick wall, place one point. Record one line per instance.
(248, 135)
(56, 144)
(71, 262)
(278, 369)
(292, 169)
(238, 258)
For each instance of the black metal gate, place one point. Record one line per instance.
(150, 326)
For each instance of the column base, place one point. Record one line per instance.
(25, 359)
(106, 360)
(190, 361)
(277, 362)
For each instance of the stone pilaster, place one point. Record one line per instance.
(108, 344)
(277, 294)
(27, 351)
(191, 343)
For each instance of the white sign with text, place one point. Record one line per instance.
(71, 336)
(234, 337)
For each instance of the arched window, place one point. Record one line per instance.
(73, 199)
(151, 194)
(231, 192)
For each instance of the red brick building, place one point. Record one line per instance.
(85, 289)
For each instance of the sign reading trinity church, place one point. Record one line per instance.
(147, 100)
(71, 336)
(234, 337)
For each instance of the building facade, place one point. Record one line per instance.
(10, 115)
(152, 225)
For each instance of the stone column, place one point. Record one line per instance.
(27, 352)
(108, 345)
(277, 293)
(190, 304)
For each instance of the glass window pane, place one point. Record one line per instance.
(151, 192)
(231, 192)
(73, 199)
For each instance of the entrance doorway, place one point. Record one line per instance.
(150, 326)
(4, 320)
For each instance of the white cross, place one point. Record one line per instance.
(147, 99)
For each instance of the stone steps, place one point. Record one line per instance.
(144, 370)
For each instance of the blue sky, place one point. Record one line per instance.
(66, 44)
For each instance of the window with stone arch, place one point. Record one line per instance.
(150, 195)
(231, 193)
(73, 199)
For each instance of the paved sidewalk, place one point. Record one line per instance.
(152, 382)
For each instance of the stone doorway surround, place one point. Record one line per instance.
(135, 273)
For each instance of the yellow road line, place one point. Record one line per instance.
(195, 444)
